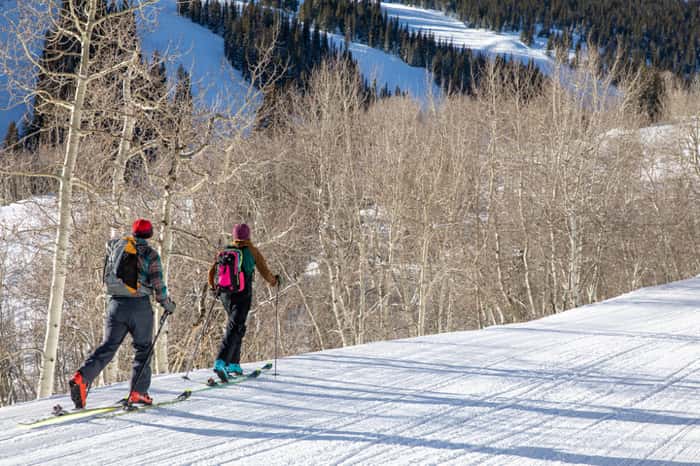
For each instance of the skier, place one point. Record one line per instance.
(132, 272)
(231, 279)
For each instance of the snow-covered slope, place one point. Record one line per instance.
(388, 69)
(608, 384)
(450, 30)
(219, 85)
(200, 52)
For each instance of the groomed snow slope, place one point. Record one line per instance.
(450, 30)
(608, 384)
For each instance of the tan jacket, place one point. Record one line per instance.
(260, 263)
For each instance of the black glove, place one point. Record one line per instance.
(278, 279)
(169, 306)
(214, 291)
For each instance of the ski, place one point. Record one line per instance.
(61, 415)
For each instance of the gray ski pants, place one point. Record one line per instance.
(124, 315)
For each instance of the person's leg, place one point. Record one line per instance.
(238, 320)
(226, 345)
(115, 331)
(141, 329)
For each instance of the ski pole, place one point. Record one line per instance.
(161, 324)
(199, 339)
(277, 323)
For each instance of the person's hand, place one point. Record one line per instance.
(169, 306)
(214, 291)
(278, 280)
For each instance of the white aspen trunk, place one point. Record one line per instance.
(422, 292)
(63, 234)
(528, 284)
(362, 312)
(333, 281)
(334, 304)
(111, 372)
(166, 245)
(574, 261)
(366, 247)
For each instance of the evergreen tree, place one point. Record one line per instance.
(651, 99)
(11, 137)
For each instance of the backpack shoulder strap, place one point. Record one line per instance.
(248, 261)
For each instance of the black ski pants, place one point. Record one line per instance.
(125, 315)
(237, 306)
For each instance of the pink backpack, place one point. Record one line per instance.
(229, 270)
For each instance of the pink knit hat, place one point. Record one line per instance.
(241, 231)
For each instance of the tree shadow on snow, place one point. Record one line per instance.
(248, 430)
(441, 371)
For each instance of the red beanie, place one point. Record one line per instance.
(142, 228)
(241, 231)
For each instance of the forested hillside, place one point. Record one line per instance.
(662, 33)
(299, 44)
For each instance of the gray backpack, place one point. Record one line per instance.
(121, 271)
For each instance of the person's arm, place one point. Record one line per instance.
(155, 275)
(212, 275)
(261, 265)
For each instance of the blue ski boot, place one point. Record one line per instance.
(220, 369)
(233, 369)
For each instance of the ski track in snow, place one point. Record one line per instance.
(606, 384)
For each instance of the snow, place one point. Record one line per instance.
(670, 149)
(26, 233)
(389, 69)
(313, 269)
(201, 53)
(606, 384)
(450, 30)
(223, 88)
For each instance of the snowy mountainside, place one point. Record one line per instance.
(201, 52)
(607, 384)
(450, 30)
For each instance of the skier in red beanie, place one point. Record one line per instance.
(132, 273)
